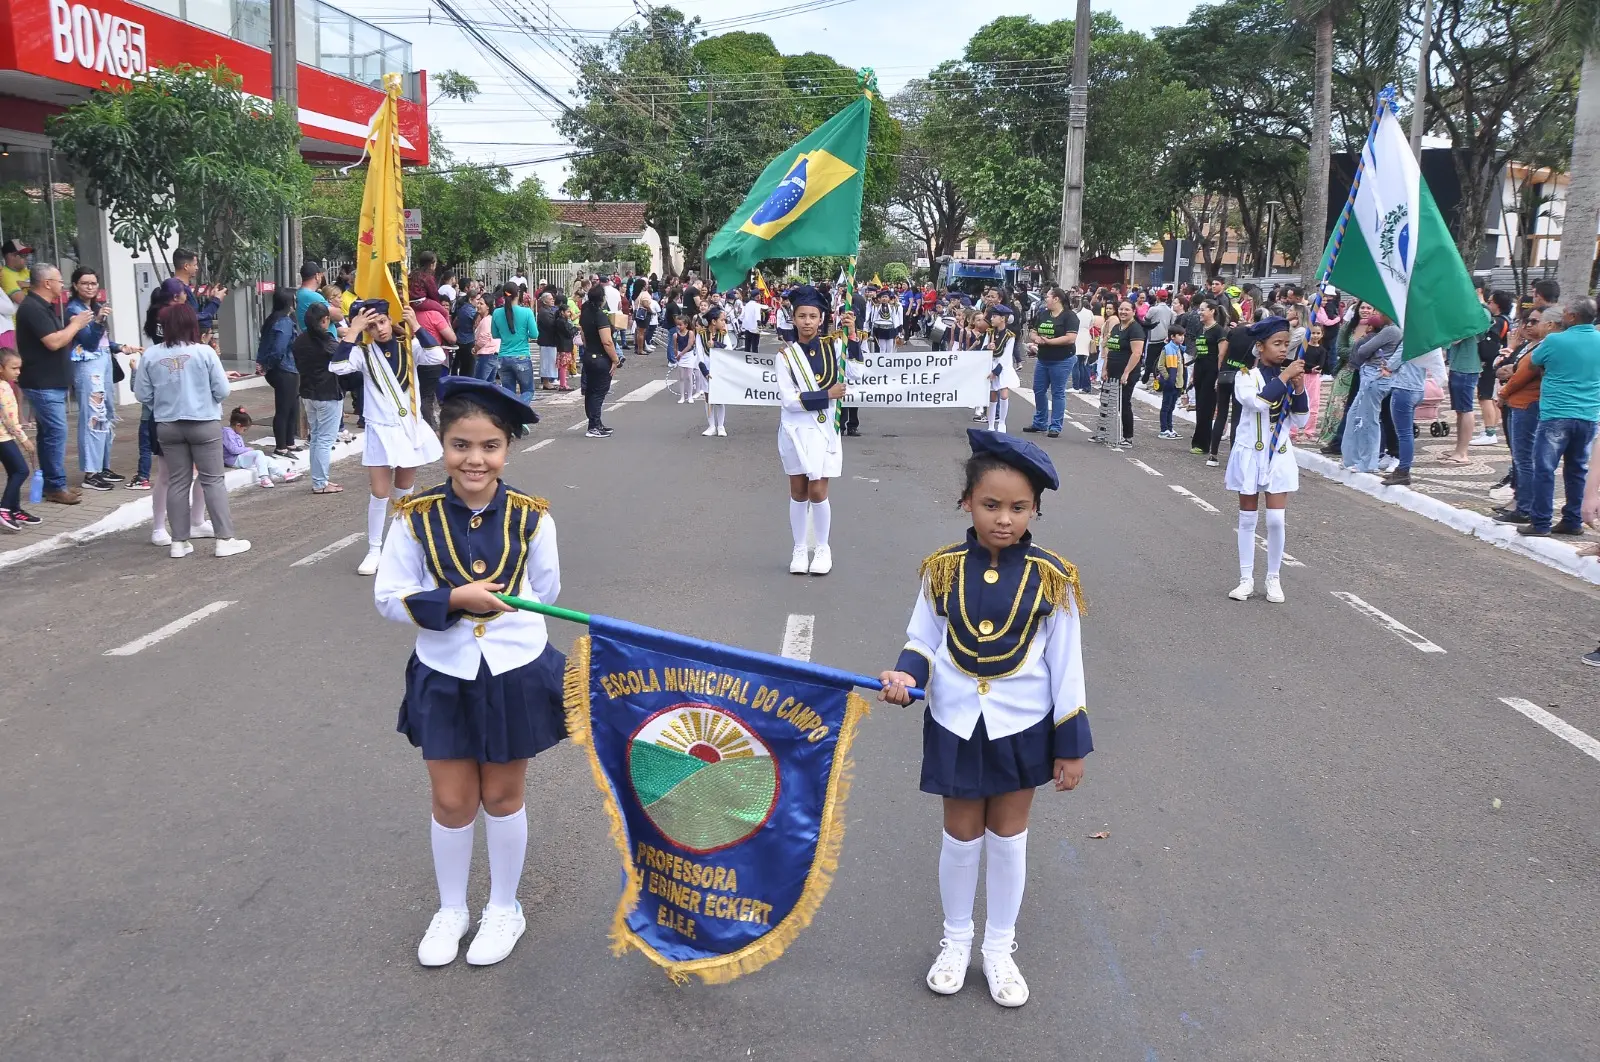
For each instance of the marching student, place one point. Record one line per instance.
(714, 337)
(484, 685)
(398, 440)
(976, 337)
(812, 372)
(1271, 397)
(1005, 697)
(887, 318)
(1003, 373)
(683, 354)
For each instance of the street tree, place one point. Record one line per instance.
(1578, 21)
(183, 154)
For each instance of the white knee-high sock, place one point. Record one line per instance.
(994, 413)
(507, 840)
(1276, 534)
(821, 520)
(722, 415)
(1247, 545)
(958, 886)
(452, 861)
(1008, 873)
(711, 415)
(798, 513)
(377, 517)
(1005, 407)
(398, 494)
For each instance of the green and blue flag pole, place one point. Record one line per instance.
(750, 657)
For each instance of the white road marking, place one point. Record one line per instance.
(584, 423)
(1290, 561)
(1389, 623)
(539, 445)
(1080, 427)
(1207, 506)
(1144, 466)
(328, 551)
(646, 392)
(161, 633)
(1557, 726)
(1026, 396)
(797, 636)
(864, 479)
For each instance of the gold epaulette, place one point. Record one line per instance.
(1058, 577)
(938, 571)
(419, 503)
(518, 500)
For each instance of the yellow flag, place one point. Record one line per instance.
(382, 227)
(876, 282)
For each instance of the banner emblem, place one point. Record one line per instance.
(702, 777)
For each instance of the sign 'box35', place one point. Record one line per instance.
(108, 44)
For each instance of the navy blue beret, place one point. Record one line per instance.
(1268, 327)
(806, 295)
(492, 397)
(1020, 454)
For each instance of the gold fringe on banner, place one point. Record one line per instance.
(830, 841)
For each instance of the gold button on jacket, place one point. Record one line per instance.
(478, 567)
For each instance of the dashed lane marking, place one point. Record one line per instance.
(1207, 506)
(1140, 464)
(797, 636)
(1287, 559)
(1556, 725)
(163, 633)
(540, 444)
(1081, 427)
(329, 550)
(1389, 623)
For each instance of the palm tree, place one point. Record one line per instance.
(1579, 21)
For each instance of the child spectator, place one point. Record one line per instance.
(1171, 376)
(15, 447)
(236, 453)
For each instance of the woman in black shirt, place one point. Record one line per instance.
(1124, 355)
(599, 358)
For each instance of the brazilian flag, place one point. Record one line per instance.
(807, 202)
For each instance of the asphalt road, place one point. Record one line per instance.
(216, 847)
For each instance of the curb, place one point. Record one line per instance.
(1551, 553)
(133, 513)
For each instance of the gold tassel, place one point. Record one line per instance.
(413, 503)
(938, 571)
(1059, 582)
(518, 500)
(575, 697)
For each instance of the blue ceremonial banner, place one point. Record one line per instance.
(724, 773)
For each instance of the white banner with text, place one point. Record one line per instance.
(904, 380)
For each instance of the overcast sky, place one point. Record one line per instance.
(900, 39)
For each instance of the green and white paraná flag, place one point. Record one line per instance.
(1393, 249)
(807, 202)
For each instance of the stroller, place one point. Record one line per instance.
(1428, 410)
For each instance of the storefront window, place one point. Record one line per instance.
(211, 14)
(37, 205)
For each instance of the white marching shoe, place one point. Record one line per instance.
(498, 932)
(1274, 590)
(822, 560)
(948, 973)
(1006, 986)
(203, 530)
(799, 562)
(161, 537)
(181, 550)
(1243, 591)
(228, 547)
(710, 433)
(369, 565)
(443, 939)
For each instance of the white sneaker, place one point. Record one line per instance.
(822, 561)
(1243, 591)
(498, 932)
(710, 433)
(1481, 439)
(181, 550)
(227, 547)
(292, 475)
(948, 973)
(1274, 590)
(1211, 462)
(203, 530)
(799, 562)
(1006, 986)
(160, 537)
(1388, 464)
(722, 433)
(369, 564)
(443, 938)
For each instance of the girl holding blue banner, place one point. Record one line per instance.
(484, 686)
(994, 642)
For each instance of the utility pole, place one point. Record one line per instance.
(286, 97)
(1070, 251)
(1419, 95)
(1272, 235)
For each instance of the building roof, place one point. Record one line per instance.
(608, 219)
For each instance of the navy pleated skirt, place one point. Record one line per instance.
(980, 767)
(492, 718)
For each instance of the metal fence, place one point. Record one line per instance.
(538, 268)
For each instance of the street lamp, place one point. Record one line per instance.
(1272, 224)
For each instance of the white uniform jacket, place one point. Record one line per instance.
(808, 439)
(1254, 463)
(436, 544)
